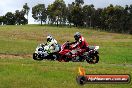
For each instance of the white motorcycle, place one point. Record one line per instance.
(43, 52)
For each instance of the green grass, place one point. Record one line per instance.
(24, 72)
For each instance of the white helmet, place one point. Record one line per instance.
(49, 38)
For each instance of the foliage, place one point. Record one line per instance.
(26, 9)
(39, 13)
(10, 18)
(76, 13)
(111, 18)
(19, 17)
(57, 12)
(16, 18)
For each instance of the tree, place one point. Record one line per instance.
(88, 13)
(1, 20)
(80, 2)
(77, 13)
(77, 16)
(119, 19)
(69, 13)
(50, 13)
(39, 13)
(9, 18)
(57, 12)
(97, 18)
(130, 9)
(130, 21)
(26, 9)
(19, 18)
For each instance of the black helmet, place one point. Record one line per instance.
(77, 35)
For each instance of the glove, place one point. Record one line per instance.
(49, 51)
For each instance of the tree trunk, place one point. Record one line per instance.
(27, 18)
(76, 25)
(57, 23)
(41, 22)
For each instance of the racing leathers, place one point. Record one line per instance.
(80, 45)
(53, 46)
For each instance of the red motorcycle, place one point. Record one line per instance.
(69, 53)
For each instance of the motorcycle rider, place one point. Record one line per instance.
(52, 44)
(80, 44)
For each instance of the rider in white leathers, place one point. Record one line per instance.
(52, 44)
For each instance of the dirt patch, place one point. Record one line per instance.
(15, 56)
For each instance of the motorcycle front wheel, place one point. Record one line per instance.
(35, 57)
(93, 59)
